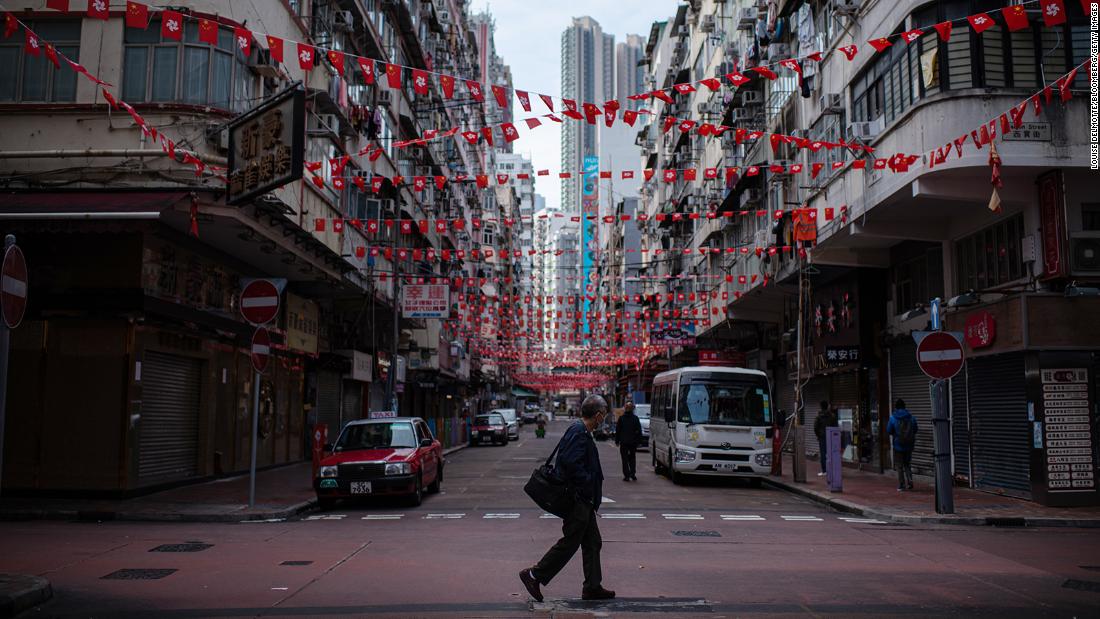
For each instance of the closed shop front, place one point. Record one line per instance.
(909, 383)
(329, 406)
(168, 434)
(353, 401)
(960, 427)
(1000, 433)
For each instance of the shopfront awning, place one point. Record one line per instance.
(520, 392)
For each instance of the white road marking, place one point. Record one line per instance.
(548, 516)
(383, 517)
(327, 517)
(608, 500)
(266, 520)
(862, 520)
(525, 459)
(682, 516)
(500, 516)
(280, 588)
(801, 518)
(444, 516)
(621, 516)
(741, 517)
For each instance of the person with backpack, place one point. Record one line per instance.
(903, 427)
(826, 418)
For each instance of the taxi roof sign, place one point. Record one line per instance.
(382, 415)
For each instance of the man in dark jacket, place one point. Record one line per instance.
(826, 418)
(578, 463)
(628, 436)
(903, 427)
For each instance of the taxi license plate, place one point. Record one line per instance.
(725, 466)
(360, 487)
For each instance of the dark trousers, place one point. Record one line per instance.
(903, 463)
(823, 452)
(579, 529)
(630, 466)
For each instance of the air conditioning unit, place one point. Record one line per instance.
(741, 115)
(865, 130)
(702, 107)
(263, 65)
(751, 97)
(1084, 255)
(749, 196)
(344, 21)
(384, 97)
(748, 18)
(708, 23)
(831, 103)
(846, 7)
(444, 17)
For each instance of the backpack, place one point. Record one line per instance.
(907, 432)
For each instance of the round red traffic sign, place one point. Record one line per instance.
(940, 355)
(13, 287)
(261, 349)
(260, 302)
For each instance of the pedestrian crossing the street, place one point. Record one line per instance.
(611, 515)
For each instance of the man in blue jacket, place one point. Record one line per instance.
(578, 463)
(903, 427)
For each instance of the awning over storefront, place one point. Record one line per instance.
(520, 392)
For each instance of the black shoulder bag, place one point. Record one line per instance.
(548, 490)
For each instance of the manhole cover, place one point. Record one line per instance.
(296, 563)
(697, 533)
(137, 574)
(1082, 585)
(187, 547)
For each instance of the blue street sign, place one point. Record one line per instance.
(935, 314)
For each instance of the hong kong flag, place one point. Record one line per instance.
(524, 100)
(275, 48)
(137, 15)
(849, 51)
(475, 90)
(243, 38)
(1015, 17)
(420, 81)
(980, 22)
(32, 45)
(306, 56)
(1054, 13)
(171, 25)
(100, 9)
(510, 133)
(393, 76)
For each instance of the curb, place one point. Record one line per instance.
(87, 516)
(451, 450)
(18, 592)
(980, 521)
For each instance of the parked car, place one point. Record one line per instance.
(394, 456)
(530, 414)
(510, 417)
(643, 412)
(490, 427)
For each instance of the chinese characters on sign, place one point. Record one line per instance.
(425, 301)
(302, 324)
(672, 336)
(980, 329)
(1068, 431)
(1029, 132)
(266, 147)
(839, 355)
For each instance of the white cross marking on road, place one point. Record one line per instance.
(444, 516)
(682, 516)
(500, 516)
(741, 517)
(801, 518)
(383, 517)
(621, 516)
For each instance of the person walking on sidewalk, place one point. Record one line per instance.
(628, 436)
(903, 427)
(578, 464)
(826, 418)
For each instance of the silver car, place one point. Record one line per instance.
(509, 415)
(642, 411)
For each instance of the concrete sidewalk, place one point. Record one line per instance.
(19, 592)
(876, 496)
(281, 493)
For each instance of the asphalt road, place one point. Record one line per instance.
(704, 549)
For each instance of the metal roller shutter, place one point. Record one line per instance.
(353, 401)
(909, 383)
(960, 425)
(812, 394)
(168, 441)
(328, 402)
(845, 392)
(999, 429)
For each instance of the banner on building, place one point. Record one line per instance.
(425, 301)
(672, 336)
(302, 324)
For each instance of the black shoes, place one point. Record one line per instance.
(626, 479)
(532, 584)
(597, 594)
(633, 479)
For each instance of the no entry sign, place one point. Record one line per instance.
(13, 287)
(261, 349)
(940, 355)
(260, 302)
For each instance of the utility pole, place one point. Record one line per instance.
(799, 442)
(391, 383)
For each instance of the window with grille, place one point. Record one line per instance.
(991, 257)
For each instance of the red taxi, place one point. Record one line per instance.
(381, 456)
(489, 427)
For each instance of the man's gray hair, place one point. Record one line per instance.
(593, 405)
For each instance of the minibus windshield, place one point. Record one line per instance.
(725, 402)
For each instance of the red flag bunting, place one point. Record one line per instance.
(911, 35)
(1015, 17)
(501, 95)
(548, 101)
(393, 76)
(305, 56)
(766, 72)
(275, 47)
(208, 31)
(58, 5)
(447, 82)
(510, 133)
(849, 51)
(1054, 13)
(737, 79)
(880, 44)
(99, 9)
(171, 25)
(336, 57)
(980, 22)
(474, 89)
(524, 100)
(243, 37)
(137, 15)
(944, 30)
(420, 81)
(31, 43)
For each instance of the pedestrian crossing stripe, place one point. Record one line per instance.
(444, 516)
(500, 516)
(741, 517)
(682, 516)
(801, 518)
(383, 517)
(623, 516)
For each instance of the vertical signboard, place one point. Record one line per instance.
(266, 147)
(590, 242)
(1052, 217)
(1065, 430)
